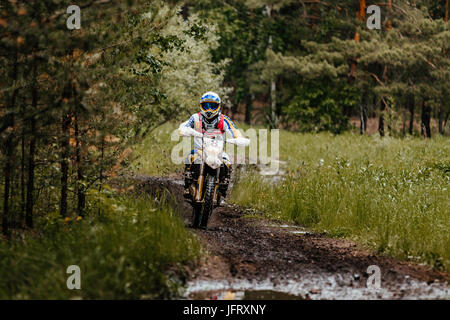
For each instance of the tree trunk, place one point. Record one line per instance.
(22, 179)
(7, 172)
(445, 121)
(30, 184)
(13, 192)
(363, 112)
(361, 14)
(381, 118)
(273, 103)
(362, 10)
(185, 12)
(248, 107)
(404, 124)
(32, 150)
(381, 125)
(426, 117)
(389, 23)
(101, 163)
(65, 123)
(446, 11)
(79, 185)
(441, 109)
(273, 86)
(411, 113)
(101, 170)
(9, 148)
(441, 118)
(363, 125)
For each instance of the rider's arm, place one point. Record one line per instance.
(234, 132)
(230, 128)
(187, 128)
(190, 123)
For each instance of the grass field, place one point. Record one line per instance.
(153, 154)
(132, 248)
(391, 195)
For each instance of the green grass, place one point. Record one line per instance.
(391, 195)
(132, 248)
(153, 154)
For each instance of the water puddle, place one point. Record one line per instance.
(313, 286)
(299, 232)
(284, 226)
(237, 290)
(288, 228)
(244, 295)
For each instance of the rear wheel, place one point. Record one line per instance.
(208, 205)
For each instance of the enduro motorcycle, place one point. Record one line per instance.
(204, 191)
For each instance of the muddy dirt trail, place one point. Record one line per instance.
(252, 258)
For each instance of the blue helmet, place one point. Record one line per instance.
(210, 104)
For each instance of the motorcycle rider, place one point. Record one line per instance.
(209, 117)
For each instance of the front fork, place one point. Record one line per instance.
(200, 184)
(216, 186)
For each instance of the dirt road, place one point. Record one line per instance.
(255, 258)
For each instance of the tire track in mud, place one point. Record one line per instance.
(253, 254)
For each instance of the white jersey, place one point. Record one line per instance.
(227, 127)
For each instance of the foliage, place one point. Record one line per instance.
(152, 156)
(289, 45)
(316, 107)
(74, 101)
(134, 249)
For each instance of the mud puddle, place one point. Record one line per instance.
(249, 294)
(315, 287)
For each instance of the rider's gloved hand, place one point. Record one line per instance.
(240, 141)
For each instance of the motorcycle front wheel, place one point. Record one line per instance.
(208, 205)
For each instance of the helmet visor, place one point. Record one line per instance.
(209, 106)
